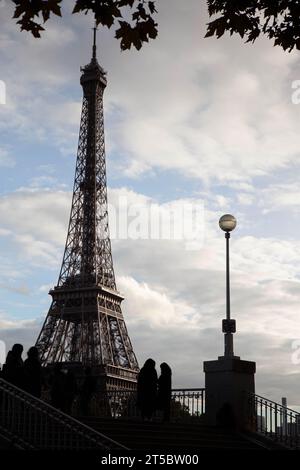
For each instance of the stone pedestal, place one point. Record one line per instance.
(226, 380)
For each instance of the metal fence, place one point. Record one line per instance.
(274, 421)
(186, 404)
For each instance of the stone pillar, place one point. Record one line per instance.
(226, 381)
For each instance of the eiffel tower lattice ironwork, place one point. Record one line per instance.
(85, 324)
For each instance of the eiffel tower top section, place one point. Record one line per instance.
(87, 257)
(93, 71)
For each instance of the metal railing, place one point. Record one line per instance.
(185, 404)
(274, 421)
(31, 423)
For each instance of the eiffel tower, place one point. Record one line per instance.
(85, 325)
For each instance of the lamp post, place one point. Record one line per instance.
(228, 223)
(229, 378)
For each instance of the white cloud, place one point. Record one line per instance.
(175, 298)
(245, 199)
(6, 323)
(18, 331)
(12, 287)
(147, 305)
(216, 111)
(37, 221)
(281, 196)
(182, 104)
(201, 112)
(35, 212)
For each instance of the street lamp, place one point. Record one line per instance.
(228, 223)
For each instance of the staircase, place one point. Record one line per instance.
(6, 444)
(175, 437)
(29, 423)
(273, 421)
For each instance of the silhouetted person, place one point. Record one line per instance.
(225, 417)
(33, 373)
(164, 390)
(58, 388)
(71, 391)
(87, 391)
(13, 369)
(147, 389)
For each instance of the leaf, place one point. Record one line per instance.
(82, 5)
(210, 31)
(279, 21)
(55, 8)
(18, 11)
(46, 14)
(253, 35)
(216, 27)
(142, 12)
(151, 6)
(105, 13)
(31, 26)
(125, 3)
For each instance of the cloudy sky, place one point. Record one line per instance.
(188, 120)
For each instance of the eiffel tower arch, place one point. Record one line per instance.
(85, 325)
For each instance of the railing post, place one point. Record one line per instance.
(276, 422)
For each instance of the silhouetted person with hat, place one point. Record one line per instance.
(33, 373)
(147, 389)
(164, 391)
(13, 369)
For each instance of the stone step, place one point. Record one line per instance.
(151, 426)
(139, 444)
(118, 434)
(139, 435)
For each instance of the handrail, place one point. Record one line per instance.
(34, 424)
(273, 420)
(188, 389)
(275, 403)
(188, 403)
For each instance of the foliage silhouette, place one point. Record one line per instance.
(278, 20)
(131, 32)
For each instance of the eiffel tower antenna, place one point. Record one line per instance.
(85, 323)
(95, 42)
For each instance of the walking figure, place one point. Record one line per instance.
(165, 390)
(13, 369)
(33, 373)
(147, 389)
